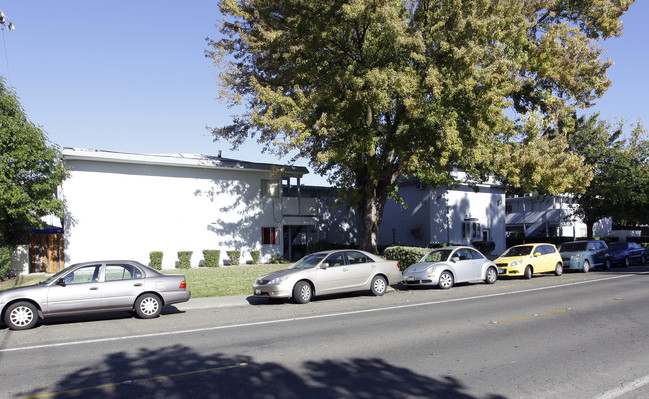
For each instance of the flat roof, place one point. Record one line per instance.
(180, 160)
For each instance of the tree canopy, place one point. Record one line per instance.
(620, 186)
(30, 171)
(371, 90)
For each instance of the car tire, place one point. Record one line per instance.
(148, 306)
(528, 272)
(585, 267)
(302, 292)
(21, 316)
(445, 280)
(492, 276)
(379, 286)
(558, 269)
(607, 264)
(643, 259)
(627, 261)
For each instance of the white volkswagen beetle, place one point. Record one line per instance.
(444, 267)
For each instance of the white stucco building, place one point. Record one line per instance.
(459, 215)
(123, 206)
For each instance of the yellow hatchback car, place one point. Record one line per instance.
(527, 259)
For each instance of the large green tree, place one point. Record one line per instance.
(30, 171)
(371, 90)
(620, 186)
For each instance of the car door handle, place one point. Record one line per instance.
(94, 288)
(137, 285)
(345, 269)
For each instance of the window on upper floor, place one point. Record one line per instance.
(270, 188)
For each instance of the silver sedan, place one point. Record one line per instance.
(93, 287)
(329, 272)
(444, 267)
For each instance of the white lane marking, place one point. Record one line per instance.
(632, 386)
(260, 323)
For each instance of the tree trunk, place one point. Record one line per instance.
(370, 206)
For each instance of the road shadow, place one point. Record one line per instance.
(179, 372)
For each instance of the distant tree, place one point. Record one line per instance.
(620, 186)
(369, 90)
(30, 171)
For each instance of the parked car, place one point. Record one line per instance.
(624, 253)
(585, 255)
(93, 287)
(444, 267)
(527, 259)
(329, 272)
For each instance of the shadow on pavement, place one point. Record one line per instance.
(179, 372)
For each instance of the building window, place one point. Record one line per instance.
(471, 230)
(268, 236)
(270, 188)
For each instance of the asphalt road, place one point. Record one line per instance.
(573, 336)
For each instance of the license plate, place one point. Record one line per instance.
(501, 271)
(257, 291)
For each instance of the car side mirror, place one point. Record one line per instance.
(61, 282)
(537, 254)
(324, 265)
(455, 259)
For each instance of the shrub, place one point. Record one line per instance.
(156, 259)
(255, 257)
(234, 257)
(6, 254)
(486, 247)
(406, 256)
(211, 257)
(185, 258)
(276, 259)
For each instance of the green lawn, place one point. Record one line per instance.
(201, 281)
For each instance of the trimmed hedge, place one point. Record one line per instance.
(255, 257)
(156, 259)
(235, 257)
(211, 257)
(406, 256)
(486, 247)
(185, 259)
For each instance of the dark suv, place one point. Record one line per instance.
(584, 255)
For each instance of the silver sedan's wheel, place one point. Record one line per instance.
(586, 267)
(643, 259)
(492, 276)
(21, 316)
(148, 306)
(558, 270)
(302, 292)
(627, 261)
(445, 280)
(607, 264)
(378, 286)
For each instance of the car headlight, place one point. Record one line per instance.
(430, 269)
(278, 280)
(515, 263)
(577, 256)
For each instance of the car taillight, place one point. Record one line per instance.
(183, 285)
(398, 266)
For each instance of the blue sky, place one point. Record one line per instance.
(131, 76)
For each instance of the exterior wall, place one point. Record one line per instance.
(125, 211)
(544, 215)
(440, 215)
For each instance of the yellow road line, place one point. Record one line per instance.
(163, 377)
(529, 317)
